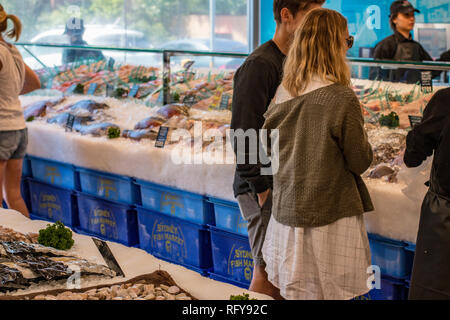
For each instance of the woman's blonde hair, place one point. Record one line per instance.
(16, 30)
(319, 48)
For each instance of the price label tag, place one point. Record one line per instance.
(50, 84)
(189, 100)
(162, 137)
(224, 102)
(111, 62)
(109, 90)
(426, 81)
(71, 89)
(133, 91)
(92, 88)
(69, 123)
(415, 120)
(216, 99)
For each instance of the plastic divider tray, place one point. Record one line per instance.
(55, 173)
(176, 203)
(175, 240)
(390, 256)
(109, 220)
(53, 203)
(390, 289)
(232, 257)
(108, 186)
(228, 216)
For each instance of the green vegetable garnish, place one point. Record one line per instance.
(30, 119)
(79, 89)
(391, 120)
(113, 133)
(244, 296)
(56, 236)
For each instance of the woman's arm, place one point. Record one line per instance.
(32, 81)
(423, 139)
(354, 141)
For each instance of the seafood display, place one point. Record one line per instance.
(39, 109)
(23, 264)
(158, 285)
(9, 235)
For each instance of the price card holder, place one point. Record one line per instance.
(224, 102)
(109, 90)
(415, 120)
(92, 89)
(189, 100)
(71, 89)
(70, 122)
(50, 84)
(133, 91)
(426, 81)
(111, 62)
(162, 137)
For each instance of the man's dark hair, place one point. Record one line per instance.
(294, 6)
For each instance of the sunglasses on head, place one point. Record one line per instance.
(350, 41)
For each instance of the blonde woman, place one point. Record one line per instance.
(316, 245)
(15, 78)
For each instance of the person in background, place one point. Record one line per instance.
(400, 46)
(75, 31)
(316, 244)
(431, 270)
(16, 78)
(255, 84)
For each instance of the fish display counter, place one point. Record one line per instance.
(119, 135)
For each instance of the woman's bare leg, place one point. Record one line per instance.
(11, 186)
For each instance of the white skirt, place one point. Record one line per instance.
(324, 263)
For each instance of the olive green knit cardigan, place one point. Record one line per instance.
(323, 150)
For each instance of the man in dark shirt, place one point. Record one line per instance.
(75, 31)
(400, 46)
(255, 85)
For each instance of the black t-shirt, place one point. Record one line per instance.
(74, 55)
(433, 135)
(397, 47)
(255, 85)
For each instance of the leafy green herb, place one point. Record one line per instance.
(391, 120)
(56, 236)
(30, 119)
(113, 133)
(79, 89)
(244, 296)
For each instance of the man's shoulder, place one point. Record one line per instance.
(265, 57)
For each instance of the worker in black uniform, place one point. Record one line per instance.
(75, 31)
(400, 46)
(431, 271)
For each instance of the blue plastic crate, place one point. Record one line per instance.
(228, 216)
(232, 257)
(390, 289)
(108, 186)
(113, 221)
(55, 173)
(175, 240)
(390, 256)
(26, 168)
(52, 203)
(410, 251)
(177, 203)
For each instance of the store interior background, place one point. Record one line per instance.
(189, 24)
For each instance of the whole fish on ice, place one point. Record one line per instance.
(140, 134)
(86, 107)
(39, 109)
(97, 129)
(170, 110)
(149, 123)
(61, 119)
